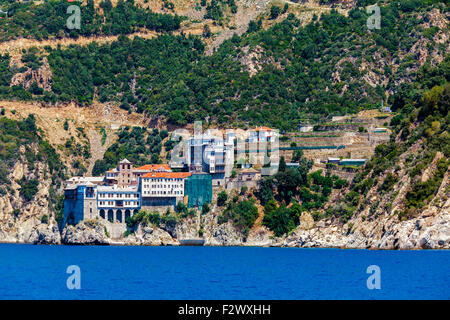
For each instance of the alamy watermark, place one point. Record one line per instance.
(374, 280)
(374, 21)
(74, 21)
(74, 280)
(259, 146)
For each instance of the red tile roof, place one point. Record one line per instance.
(170, 175)
(263, 129)
(154, 167)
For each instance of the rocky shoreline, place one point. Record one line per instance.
(367, 229)
(386, 233)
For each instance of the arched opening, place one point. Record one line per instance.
(119, 216)
(127, 214)
(110, 215)
(102, 214)
(135, 211)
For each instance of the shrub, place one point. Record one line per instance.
(145, 218)
(274, 12)
(205, 208)
(181, 208)
(243, 214)
(390, 180)
(281, 219)
(424, 191)
(44, 219)
(222, 198)
(127, 233)
(28, 188)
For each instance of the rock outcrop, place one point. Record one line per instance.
(23, 221)
(90, 232)
(150, 236)
(45, 234)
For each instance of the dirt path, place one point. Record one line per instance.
(14, 47)
(248, 10)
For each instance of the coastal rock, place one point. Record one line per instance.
(21, 221)
(188, 228)
(259, 237)
(85, 233)
(150, 236)
(224, 235)
(45, 234)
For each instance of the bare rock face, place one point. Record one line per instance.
(306, 221)
(259, 237)
(45, 234)
(430, 230)
(224, 235)
(188, 228)
(85, 233)
(150, 236)
(328, 237)
(42, 77)
(21, 221)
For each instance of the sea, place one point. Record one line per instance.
(220, 273)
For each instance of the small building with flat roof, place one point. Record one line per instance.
(352, 162)
(333, 160)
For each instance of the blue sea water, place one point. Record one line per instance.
(39, 272)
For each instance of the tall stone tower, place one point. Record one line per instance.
(125, 173)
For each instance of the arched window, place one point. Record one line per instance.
(111, 215)
(119, 215)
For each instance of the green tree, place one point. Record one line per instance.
(222, 198)
(205, 208)
(282, 166)
(274, 12)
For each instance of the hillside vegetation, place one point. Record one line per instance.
(21, 143)
(282, 71)
(408, 171)
(332, 66)
(48, 19)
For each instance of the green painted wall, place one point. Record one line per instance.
(198, 188)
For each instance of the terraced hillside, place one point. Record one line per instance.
(293, 70)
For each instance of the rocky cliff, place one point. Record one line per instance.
(23, 221)
(377, 224)
(30, 179)
(429, 230)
